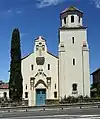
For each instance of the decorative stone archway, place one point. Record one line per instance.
(40, 82)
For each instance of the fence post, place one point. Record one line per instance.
(98, 106)
(44, 109)
(80, 107)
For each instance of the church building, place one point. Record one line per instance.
(40, 75)
(47, 77)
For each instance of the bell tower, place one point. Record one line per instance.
(74, 72)
(71, 17)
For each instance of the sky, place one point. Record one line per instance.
(42, 17)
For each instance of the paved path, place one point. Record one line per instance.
(58, 117)
(73, 113)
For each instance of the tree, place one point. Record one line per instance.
(15, 82)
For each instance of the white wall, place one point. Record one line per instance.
(86, 72)
(2, 92)
(68, 21)
(73, 74)
(27, 73)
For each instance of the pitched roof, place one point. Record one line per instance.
(26, 56)
(95, 71)
(33, 52)
(71, 9)
(52, 54)
(40, 37)
(4, 86)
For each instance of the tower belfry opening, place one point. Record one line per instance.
(71, 17)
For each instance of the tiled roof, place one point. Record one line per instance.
(71, 9)
(95, 71)
(4, 86)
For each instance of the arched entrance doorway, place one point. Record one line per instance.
(40, 96)
(40, 92)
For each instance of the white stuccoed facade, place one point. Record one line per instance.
(40, 77)
(74, 74)
(47, 77)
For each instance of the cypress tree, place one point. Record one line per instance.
(15, 82)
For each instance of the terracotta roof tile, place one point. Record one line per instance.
(4, 86)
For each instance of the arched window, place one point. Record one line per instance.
(26, 94)
(55, 94)
(37, 47)
(73, 40)
(64, 20)
(79, 19)
(26, 86)
(55, 85)
(43, 47)
(5, 94)
(48, 66)
(72, 19)
(74, 87)
(32, 67)
(74, 62)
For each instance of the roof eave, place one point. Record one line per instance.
(71, 28)
(26, 56)
(95, 71)
(52, 55)
(71, 11)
